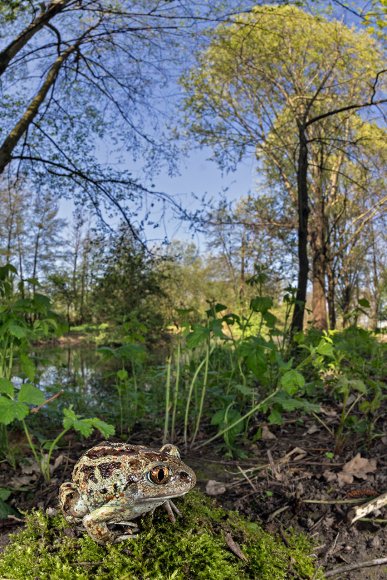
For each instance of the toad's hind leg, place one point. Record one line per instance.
(71, 503)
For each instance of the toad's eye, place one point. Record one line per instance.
(159, 474)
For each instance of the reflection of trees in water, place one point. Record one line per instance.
(87, 380)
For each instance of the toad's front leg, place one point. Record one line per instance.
(96, 523)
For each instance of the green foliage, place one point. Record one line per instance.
(194, 547)
(23, 320)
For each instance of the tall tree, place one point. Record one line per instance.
(263, 83)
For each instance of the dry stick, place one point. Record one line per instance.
(334, 501)
(37, 409)
(350, 567)
(247, 478)
(223, 431)
(373, 505)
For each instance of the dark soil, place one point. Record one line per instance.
(280, 485)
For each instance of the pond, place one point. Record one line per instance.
(90, 385)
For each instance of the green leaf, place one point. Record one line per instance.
(325, 349)
(122, 375)
(7, 510)
(5, 493)
(69, 418)
(261, 304)
(275, 417)
(358, 385)
(244, 389)
(105, 429)
(6, 387)
(216, 309)
(11, 410)
(292, 381)
(199, 335)
(17, 330)
(27, 366)
(83, 426)
(270, 319)
(364, 303)
(31, 395)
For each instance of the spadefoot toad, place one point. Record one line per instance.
(114, 483)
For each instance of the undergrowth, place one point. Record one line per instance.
(194, 547)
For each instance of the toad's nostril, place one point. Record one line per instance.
(184, 476)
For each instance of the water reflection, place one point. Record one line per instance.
(87, 379)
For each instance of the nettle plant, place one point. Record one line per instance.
(22, 321)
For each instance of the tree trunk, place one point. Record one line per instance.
(14, 136)
(302, 240)
(10, 51)
(331, 294)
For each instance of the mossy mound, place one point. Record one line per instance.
(194, 547)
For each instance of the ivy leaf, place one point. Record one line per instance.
(31, 395)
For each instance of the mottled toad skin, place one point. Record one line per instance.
(114, 483)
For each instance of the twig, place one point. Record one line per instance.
(333, 501)
(350, 567)
(247, 477)
(37, 409)
(371, 506)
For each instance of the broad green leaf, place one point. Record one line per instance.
(292, 381)
(325, 349)
(216, 309)
(270, 319)
(364, 303)
(11, 410)
(6, 387)
(105, 429)
(261, 304)
(199, 335)
(5, 493)
(31, 395)
(17, 330)
(275, 417)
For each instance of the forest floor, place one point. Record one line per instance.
(289, 480)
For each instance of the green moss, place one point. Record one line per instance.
(194, 547)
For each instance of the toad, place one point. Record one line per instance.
(115, 483)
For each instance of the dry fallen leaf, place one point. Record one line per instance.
(360, 467)
(329, 475)
(234, 547)
(215, 487)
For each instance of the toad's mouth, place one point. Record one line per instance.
(158, 498)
